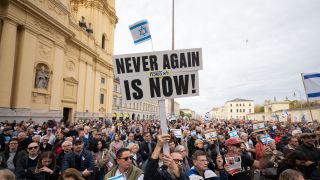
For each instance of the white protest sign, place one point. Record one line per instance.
(158, 75)
(212, 135)
(177, 133)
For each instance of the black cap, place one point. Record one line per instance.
(77, 140)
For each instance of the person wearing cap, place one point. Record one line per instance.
(80, 159)
(233, 146)
(308, 147)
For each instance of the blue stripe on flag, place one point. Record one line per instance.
(142, 39)
(138, 25)
(311, 76)
(312, 95)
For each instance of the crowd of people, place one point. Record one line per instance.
(133, 150)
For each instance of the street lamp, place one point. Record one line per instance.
(294, 95)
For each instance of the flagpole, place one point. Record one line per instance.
(305, 91)
(172, 100)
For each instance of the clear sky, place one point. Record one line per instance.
(251, 49)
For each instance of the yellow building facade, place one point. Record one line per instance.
(56, 59)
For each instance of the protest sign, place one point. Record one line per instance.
(259, 127)
(119, 177)
(177, 133)
(158, 75)
(233, 134)
(210, 135)
(266, 140)
(233, 163)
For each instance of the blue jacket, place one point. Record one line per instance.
(86, 161)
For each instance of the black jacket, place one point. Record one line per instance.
(312, 153)
(144, 149)
(87, 161)
(5, 157)
(47, 148)
(154, 172)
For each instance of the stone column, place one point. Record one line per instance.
(24, 70)
(7, 58)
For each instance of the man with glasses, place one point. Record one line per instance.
(187, 162)
(80, 159)
(125, 169)
(172, 164)
(200, 169)
(27, 162)
(50, 135)
(8, 158)
(66, 148)
(44, 145)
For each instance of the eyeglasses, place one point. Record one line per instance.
(13, 143)
(34, 147)
(126, 158)
(177, 161)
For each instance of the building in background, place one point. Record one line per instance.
(233, 109)
(238, 108)
(168, 109)
(191, 114)
(217, 113)
(56, 59)
(148, 110)
(280, 111)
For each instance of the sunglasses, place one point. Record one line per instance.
(34, 147)
(126, 158)
(178, 161)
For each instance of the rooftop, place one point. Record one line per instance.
(239, 100)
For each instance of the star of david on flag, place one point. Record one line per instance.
(140, 31)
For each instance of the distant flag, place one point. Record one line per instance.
(140, 31)
(206, 117)
(311, 83)
(285, 114)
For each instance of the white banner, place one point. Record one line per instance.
(158, 75)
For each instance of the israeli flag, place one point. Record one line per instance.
(140, 31)
(311, 83)
(206, 117)
(285, 114)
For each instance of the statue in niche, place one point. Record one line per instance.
(42, 78)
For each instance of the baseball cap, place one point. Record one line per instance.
(77, 140)
(232, 141)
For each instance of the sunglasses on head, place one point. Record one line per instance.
(126, 158)
(34, 147)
